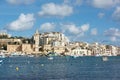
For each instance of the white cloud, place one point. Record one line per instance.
(85, 27)
(101, 15)
(3, 31)
(46, 27)
(105, 3)
(79, 2)
(24, 22)
(73, 30)
(94, 31)
(113, 39)
(113, 34)
(73, 2)
(20, 1)
(116, 14)
(52, 9)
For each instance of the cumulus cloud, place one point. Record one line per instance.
(101, 15)
(71, 28)
(74, 30)
(23, 22)
(46, 27)
(116, 14)
(94, 31)
(16, 2)
(105, 3)
(52, 9)
(85, 27)
(113, 33)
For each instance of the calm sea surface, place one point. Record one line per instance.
(59, 68)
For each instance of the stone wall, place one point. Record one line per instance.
(27, 48)
(13, 48)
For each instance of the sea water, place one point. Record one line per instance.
(60, 68)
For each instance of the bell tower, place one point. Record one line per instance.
(37, 40)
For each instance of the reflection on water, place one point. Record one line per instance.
(59, 68)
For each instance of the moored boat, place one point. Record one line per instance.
(105, 58)
(50, 58)
(1, 61)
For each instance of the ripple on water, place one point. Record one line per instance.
(60, 68)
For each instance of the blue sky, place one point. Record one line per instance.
(80, 20)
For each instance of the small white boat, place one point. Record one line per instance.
(50, 58)
(97, 55)
(30, 55)
(1, 61)
(75, 56)
(105, 58)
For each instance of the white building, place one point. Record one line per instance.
(114, 51)
(59, 38)
(78, 51)
(58, 43)
(37, 40)
(52, 39)
(3, 33)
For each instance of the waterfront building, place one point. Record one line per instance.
(47, 48)
(27, 48)
(6, 41)
(114, 50)
(13, 48)
(56, 42)
(37, 41)
(118, 51)
(78, 51)
(108, 52)
(59, 49)
(50, 42)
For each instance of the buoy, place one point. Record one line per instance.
(42, 64)
(17, 68)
